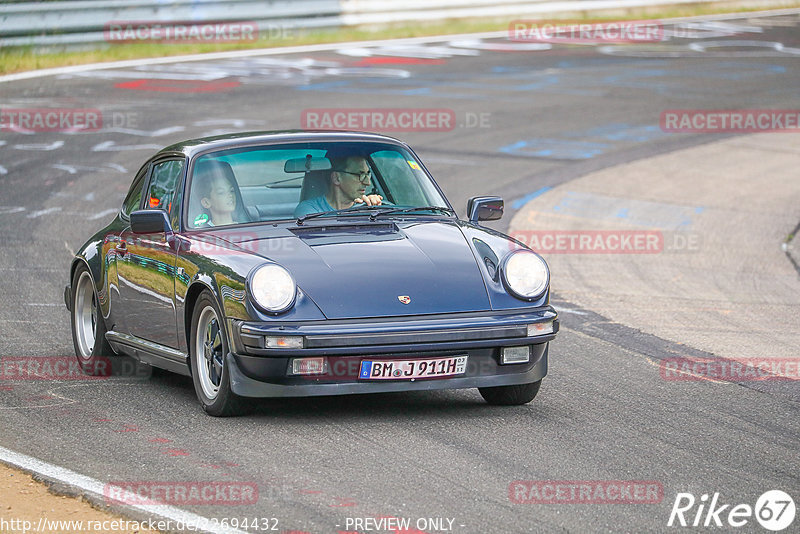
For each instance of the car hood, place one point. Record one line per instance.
(375, 269)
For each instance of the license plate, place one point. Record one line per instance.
(409, 369)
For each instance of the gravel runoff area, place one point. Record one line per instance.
(28, 505)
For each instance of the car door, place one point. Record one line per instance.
(146, 270)
(115, 249)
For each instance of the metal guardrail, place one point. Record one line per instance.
(84, 22)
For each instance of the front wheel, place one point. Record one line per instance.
(88, 327)
(511, 395)
(208, 350)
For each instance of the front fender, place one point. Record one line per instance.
(99, 255)
(489, 248)
(224, 273)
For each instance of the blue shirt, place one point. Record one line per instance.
(318, 204)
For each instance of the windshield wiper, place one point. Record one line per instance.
(411, 210)
(360, 207)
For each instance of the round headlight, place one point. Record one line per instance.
(272, 288)
(526, 274)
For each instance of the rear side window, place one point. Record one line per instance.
(165, 178)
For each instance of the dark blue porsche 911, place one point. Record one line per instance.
(282, 264)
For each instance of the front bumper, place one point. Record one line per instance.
(258, 371)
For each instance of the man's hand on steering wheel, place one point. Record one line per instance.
(369, 200)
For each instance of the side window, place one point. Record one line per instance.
(165, 178)
(400, 178)
(134, 198)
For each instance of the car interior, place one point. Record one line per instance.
(269, 184)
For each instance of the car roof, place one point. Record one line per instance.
(191, 147)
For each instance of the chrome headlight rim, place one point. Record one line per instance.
(251, 293)
(512, 290)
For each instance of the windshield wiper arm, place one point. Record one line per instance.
(360, 207)
(411, 210)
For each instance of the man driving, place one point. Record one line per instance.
(349, 179)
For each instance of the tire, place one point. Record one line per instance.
(511, 395)
(88, 327)
(208, 347)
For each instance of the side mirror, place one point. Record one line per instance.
(150, 222)
(484, 209)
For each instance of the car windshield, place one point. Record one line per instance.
(293, 181)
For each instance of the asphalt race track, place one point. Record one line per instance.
(524, 118)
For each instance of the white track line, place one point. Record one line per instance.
(329, 46)
(234, 54)
(95, 488)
